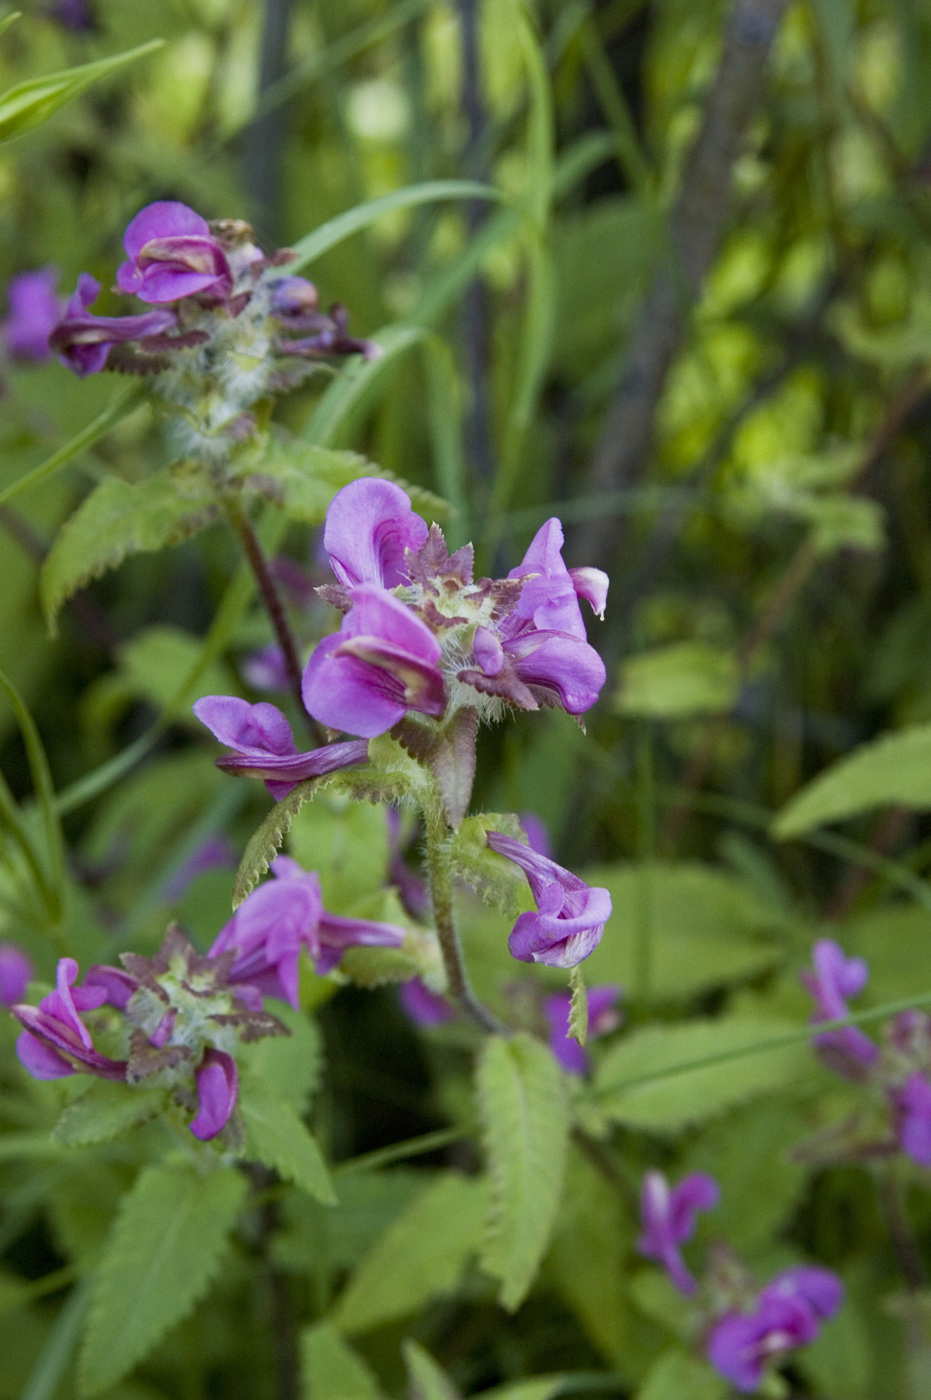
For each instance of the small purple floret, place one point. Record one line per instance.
(83, 340)
(382, 663)
(55, 1041)
(570, 915)
(172, 255)
(425, 1008)
(15, 974)
(602, 1019)
(217, 1080)
(668, 1220)
(369, 526)
(835, 978)
(263, 744)
(912, 1103)
(741, 1344)
(35, 310)
(285, 916)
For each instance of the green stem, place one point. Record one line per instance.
(439, 872)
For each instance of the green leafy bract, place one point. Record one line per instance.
(164, 1249)
(120, 518)
(525, 1127)
(276, 1136)
(105, 1110)
(289, 1064)
(420, 1256)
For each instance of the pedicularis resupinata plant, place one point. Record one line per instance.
(427, 968)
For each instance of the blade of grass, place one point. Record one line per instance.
(44, 791)
(114, 413)
(56, 1355)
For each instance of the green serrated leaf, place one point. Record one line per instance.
(497, 880)
(263, 845)
(671, 1103)
(303, 478)
(427, 1380)
(29, 104)
(525, 1122)
(331, 1370)
(164, 1249)
(276, 1136)
(893, 769)
(120, 518)
(105, 1110)
(289, 1064)
(422, 1254)
(578, 1006)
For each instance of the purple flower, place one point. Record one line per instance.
(35, 310)
(537, 653)
(741, 1344)
(570, 915)
(265, 669)
(370, 525)
(55, 1041)
(264, 745)
(602, 1018)
(75, 15)
(381, 663)
(425, 1008)
(668, 1220)
(284, 916)
(294, 302)
(172, 255)
(836, 977)
(913, 1112)
(819, 1288)
(83, 340)
(537, 835)
(217, 1080)
(409, 885)
(15, 974)
(215, 853)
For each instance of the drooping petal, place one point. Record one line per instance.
(424, 1007)
(740, 1345)
(560, 664)
(592, 585)
(217, 1081)
(338, 933)
(369, 525)
(821, 1289)
(35, 310)
(259, 729)
(40, 1059)
(83, 340)
(570, 915)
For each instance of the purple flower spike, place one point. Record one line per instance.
(172, 255)
(284, 916)
(55, 1037)
(217, 1081)
(83, 340)
(602, 1018)
(381, 663)
(570, 915)
(668, 1220)
(35, 310)
(425, 1008)
(913, 1110)
(294, 303)
(835, 978)
(15, 974)
(741, 1344)
(264, 746)
(370, 524)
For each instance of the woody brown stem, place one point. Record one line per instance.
(275, 609)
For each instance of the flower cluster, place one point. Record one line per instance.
(420, 635)
(899, 1071)
(175, 1020)
(745, 1328)
(226, 328)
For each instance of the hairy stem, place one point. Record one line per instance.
(274, 607)
(441, 894)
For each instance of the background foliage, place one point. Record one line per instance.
(695, 323)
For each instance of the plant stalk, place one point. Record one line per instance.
(242, 526)
(441, 894)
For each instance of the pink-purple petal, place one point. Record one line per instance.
(217, 1081)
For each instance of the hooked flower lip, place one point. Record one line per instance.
(264, 746)
(55, 1042)
(570, 916)
(668, 1216)
(834, 978)
(84, 340)
(172, 254)
(382, 663)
